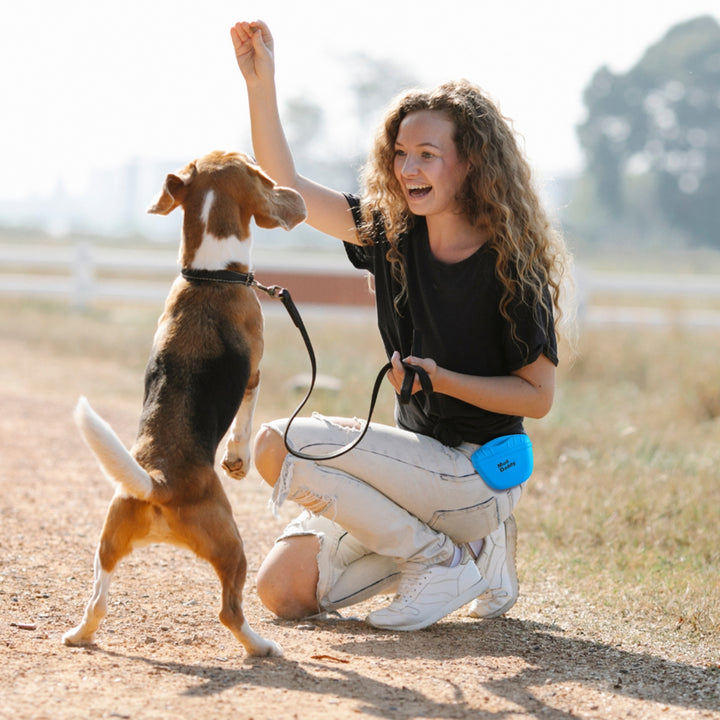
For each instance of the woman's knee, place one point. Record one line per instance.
(288, 577)
(269, 454)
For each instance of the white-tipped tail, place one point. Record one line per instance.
(115, 460)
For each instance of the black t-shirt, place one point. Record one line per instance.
(452, 316)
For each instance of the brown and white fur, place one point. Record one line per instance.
(203, 371)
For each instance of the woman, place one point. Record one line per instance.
(467, 272)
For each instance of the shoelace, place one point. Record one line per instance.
(409, 582)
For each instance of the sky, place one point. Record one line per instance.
(91, 84)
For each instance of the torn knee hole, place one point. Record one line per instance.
(317, 504)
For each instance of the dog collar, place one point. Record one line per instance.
(221, 276)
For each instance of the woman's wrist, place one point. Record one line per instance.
(438, 379)
(260, 86)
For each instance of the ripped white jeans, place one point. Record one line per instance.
(397, 496)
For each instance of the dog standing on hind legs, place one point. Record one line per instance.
(202, 375)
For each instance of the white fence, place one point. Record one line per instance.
(84, 273)
(72, 272)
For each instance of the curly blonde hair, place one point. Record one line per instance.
(498, 196)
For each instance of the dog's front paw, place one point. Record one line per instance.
(236, 462)
(236, 469)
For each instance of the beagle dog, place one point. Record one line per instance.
(202, 375)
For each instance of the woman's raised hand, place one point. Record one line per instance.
(253, 44)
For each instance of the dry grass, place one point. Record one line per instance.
(624, 507)
(626, 499)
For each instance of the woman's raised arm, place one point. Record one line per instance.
(328, 210)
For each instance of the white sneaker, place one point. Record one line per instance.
(427, 593)
(497, 563)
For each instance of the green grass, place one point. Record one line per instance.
(624, 505)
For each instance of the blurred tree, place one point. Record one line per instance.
(660, 122)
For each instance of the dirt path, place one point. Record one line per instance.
(162, 653)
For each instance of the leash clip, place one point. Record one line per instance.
(273, 291)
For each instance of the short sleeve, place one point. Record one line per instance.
(361, 256)
(535, 335)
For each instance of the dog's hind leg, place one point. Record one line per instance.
(95, 610)
(210, 531)
(232, 577)
(125, 517)
(236, 462)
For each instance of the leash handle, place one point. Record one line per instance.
(409, 379)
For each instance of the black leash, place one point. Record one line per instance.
(275, 291)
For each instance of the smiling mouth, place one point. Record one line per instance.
(418, 191)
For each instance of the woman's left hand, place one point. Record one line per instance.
(396, 374)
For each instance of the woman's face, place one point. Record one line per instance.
(427, 164)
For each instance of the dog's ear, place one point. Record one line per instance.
(283, 208)
(174, 190)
